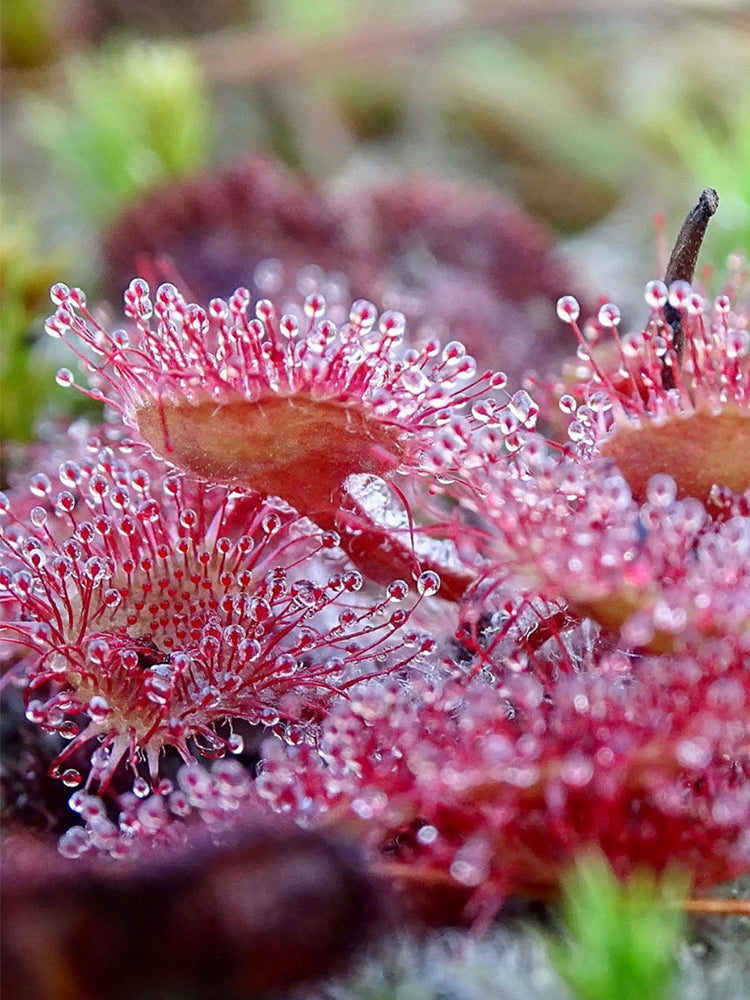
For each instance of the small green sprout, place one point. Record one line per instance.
(620, 938)
(138, 117)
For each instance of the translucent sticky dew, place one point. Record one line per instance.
(152, 612)
(500, 787)
(663, 406)
(655, 573)
(288, 404)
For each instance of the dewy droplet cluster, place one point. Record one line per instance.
(159, 612)
(310, 567)
(250, 401)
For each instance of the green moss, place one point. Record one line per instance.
(621, 939)
(137, 116)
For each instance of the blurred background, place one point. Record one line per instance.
(588, 128)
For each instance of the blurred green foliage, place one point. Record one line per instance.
(27, 35)
(26, 372)
(696, 116)
(138, 116)
(620, 938)
(568, 161)
(717, 152)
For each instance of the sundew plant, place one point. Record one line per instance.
(316, 568)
